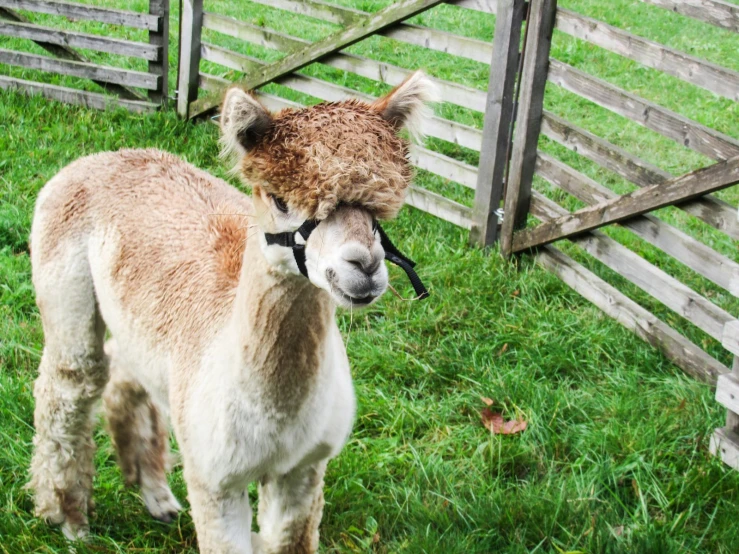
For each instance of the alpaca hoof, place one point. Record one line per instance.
(162, 504)
(75, 531)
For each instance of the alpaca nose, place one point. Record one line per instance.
(363, 259)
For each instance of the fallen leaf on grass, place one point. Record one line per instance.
(503, 350)
(494, 422)
(488, 401)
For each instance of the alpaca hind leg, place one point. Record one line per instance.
(72, 375)
(141, 439)
(290, 510)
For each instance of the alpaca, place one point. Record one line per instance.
(215, 328)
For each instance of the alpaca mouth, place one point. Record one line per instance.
(355, 300)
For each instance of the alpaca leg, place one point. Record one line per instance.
(222, 519)
(141, 440)
(72, 375)
(290, 510)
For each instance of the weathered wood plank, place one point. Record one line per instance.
(523, 153)
(444, 166)
(397, 11)
(191, 28)
(725, 445)
(262, 36)
(228, 58)
(498, 121)
(80, 69)
(697, 256)
(730, 338)
(647, 199)
(716, 12)
(318, 10)
(460, 95)
(682, 130)
(159, 39)
(441, 207)
(85, 11)
(68, 53)
(98, 43)
(712, 211)
(628, 313)
(727, 392)
(696, 71)
(732, 415)
(73, 96)
(486, 6)
(666, 289)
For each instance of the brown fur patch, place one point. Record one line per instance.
(317, 157)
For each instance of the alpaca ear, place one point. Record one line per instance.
(406, 105)
(243, 121)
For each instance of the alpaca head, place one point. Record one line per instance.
(341, 164)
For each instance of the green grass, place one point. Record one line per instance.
(615, 458)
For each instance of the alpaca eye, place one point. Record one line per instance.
(280, 203)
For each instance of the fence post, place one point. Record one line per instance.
(533, 80)
(160, 38)
(189, 69)
(497, 125)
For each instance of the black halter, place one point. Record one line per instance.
(392, 254)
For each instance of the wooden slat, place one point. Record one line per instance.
(85, 11)
(498, 121)
(652, 116)
(727, 392)
(725, 445)
(318, 10)
(697, 256)
(485, 6)
(397, 11)
(268, 38)
(444, 166)
(716, 12)
(523, 151)
(666, 289)
(441, 207)
(432, 39)
(191, 28)
(712, 211)
(80, 69)
(730, 339)
(79, 40)
(460, 95)
(159, 39)
(73, 96)
(647, 199)
(628, 313)
(227, 58)
(701, 73)
(69, 53)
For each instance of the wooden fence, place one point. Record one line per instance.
(120, 84)
(509, 163)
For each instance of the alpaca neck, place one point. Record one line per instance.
(282, 322)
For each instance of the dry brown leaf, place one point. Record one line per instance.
(494, 422)
(516, 293)
(376, 538)
(487, 401)
(503, 350)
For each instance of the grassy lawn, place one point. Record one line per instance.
(615, 458)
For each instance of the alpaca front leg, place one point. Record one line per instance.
(222, 520)
(290, 510)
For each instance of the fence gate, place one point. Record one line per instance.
(58, 36)
(657, 189)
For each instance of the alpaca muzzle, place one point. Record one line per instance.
(392, 254)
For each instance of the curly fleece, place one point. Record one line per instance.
(342, 152)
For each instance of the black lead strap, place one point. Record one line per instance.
(392, 254)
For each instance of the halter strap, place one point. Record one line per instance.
(392, 254)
